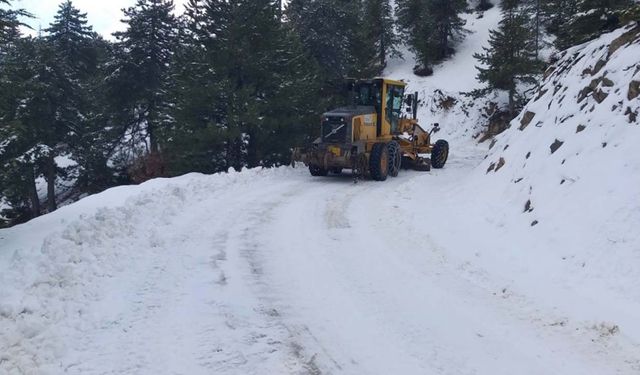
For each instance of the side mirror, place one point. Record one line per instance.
(409, 100)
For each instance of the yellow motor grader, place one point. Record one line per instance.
(373, 137)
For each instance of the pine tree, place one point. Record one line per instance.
(556, 13)
(484, 5)
(17, 170)
(252, 85)
(330, 32)
(509, 61)
(589, 19)
(94, 145)
(35, 137)
(449, 27)
(71, 38)
(140, 80)
(10, 23)
(380, 32)
(47, 107)
(432, 27)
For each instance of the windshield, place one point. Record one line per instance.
(367, 94)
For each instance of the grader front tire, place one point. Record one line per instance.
(440, 154)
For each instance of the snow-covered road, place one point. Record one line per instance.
(277, 272)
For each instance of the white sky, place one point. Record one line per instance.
(103, 15)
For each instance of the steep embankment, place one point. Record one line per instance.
(570, 164)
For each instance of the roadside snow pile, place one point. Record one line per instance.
(56, 267)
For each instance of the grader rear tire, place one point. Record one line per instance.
(318, 171)
(379, 162)
(395, 158)
(440, 154)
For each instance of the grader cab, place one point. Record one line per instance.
(375, 136)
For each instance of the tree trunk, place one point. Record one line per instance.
(33, 193)
(153, 142)
(537, 29)
(512, 104)
(383, 57)
(151, 128)
(252, 150)
(51, 184)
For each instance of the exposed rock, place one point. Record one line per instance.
(549, 71)
(584, 93)
(526, 119)
(580, 128)
(556, 145)
(633, 116)
(528, 155)
(600, 96)
(501, 164)
(541, 94)
(599, 65)
(606, 82)
(491, 167)
(534, 223)
(528, 207)
(593, 88)
(623, 39)
(499, 122)
(634, 90)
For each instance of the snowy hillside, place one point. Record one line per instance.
(568, 170)
(441, 95)
(524, 262)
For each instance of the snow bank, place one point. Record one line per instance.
(54, 268)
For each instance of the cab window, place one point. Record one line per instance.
(394, 105)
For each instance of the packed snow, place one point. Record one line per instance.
(277, 272)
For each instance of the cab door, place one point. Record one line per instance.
(393, 96)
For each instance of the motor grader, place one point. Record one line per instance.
(373, 136)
